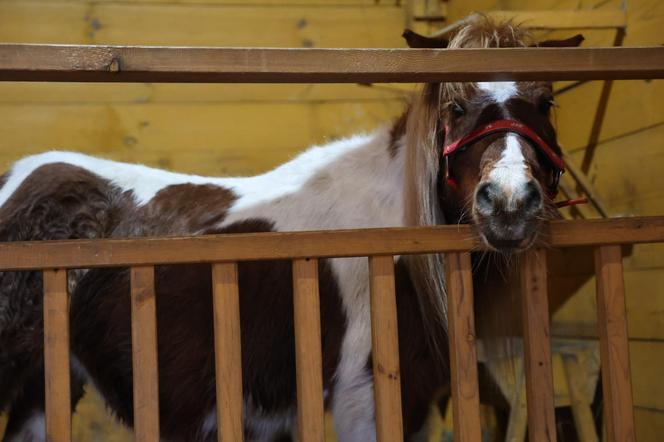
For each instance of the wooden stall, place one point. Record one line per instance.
(116, 64)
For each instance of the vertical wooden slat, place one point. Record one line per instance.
(308, 355)
(537, 348)
(228, 352)
(385, 355)
(56, 356)
(463, 354)
(614, 346)
(144, 354)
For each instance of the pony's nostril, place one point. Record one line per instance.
(484, 197)
(532, 197)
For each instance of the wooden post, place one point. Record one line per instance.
(600, 112)
(463, 354)
(144, 354)
(614, 346)
(227, 352)
(56, 356)
(385, 355)
(308, 355)
(537, 348)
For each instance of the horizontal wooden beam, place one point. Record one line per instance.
(324, 244)
(25, 62)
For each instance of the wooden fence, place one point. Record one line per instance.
(95, 63)
(304, 248)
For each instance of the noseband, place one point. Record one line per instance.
(506, 126)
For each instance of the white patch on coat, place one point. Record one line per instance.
(34, 430)
(145, 181)
(509, 172)
(499, 91)
(353, 408)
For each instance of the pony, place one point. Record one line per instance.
(482, 153)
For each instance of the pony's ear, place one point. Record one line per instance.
(571, 42)
(416, 40)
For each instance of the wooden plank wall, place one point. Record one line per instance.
(205, 129)
(628, 174)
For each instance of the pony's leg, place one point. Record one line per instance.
(352, 392)
(21, 346)
(353, 408)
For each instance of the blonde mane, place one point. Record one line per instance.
(421, 193)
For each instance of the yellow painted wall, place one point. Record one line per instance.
(243, 129)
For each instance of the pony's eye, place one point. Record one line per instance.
(456, 109)
(546, 104)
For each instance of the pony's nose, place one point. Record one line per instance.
(530, 197)
(485, 196)
(491, 198)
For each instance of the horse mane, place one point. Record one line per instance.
(422, 167)
(482, 33)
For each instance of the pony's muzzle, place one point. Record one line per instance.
(508, 217)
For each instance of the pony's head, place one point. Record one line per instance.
(485, 152)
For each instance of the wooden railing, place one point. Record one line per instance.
(25, 62)
(149, 64)
(304, 248)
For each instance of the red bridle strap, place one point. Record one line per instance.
(501, 126)
(572, 202)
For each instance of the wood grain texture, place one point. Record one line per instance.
(565, 19)
(144, 354)
(227, 352)
(323, 244)
(537, 347)
(27, 62)
(165, 23)
(187, 94)
(220, 140)
(308, 354)
(385, 353)
(56, 356)
(463, 352)
(600, 112)
(614, 345)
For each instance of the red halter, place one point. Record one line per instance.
(512, 126)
